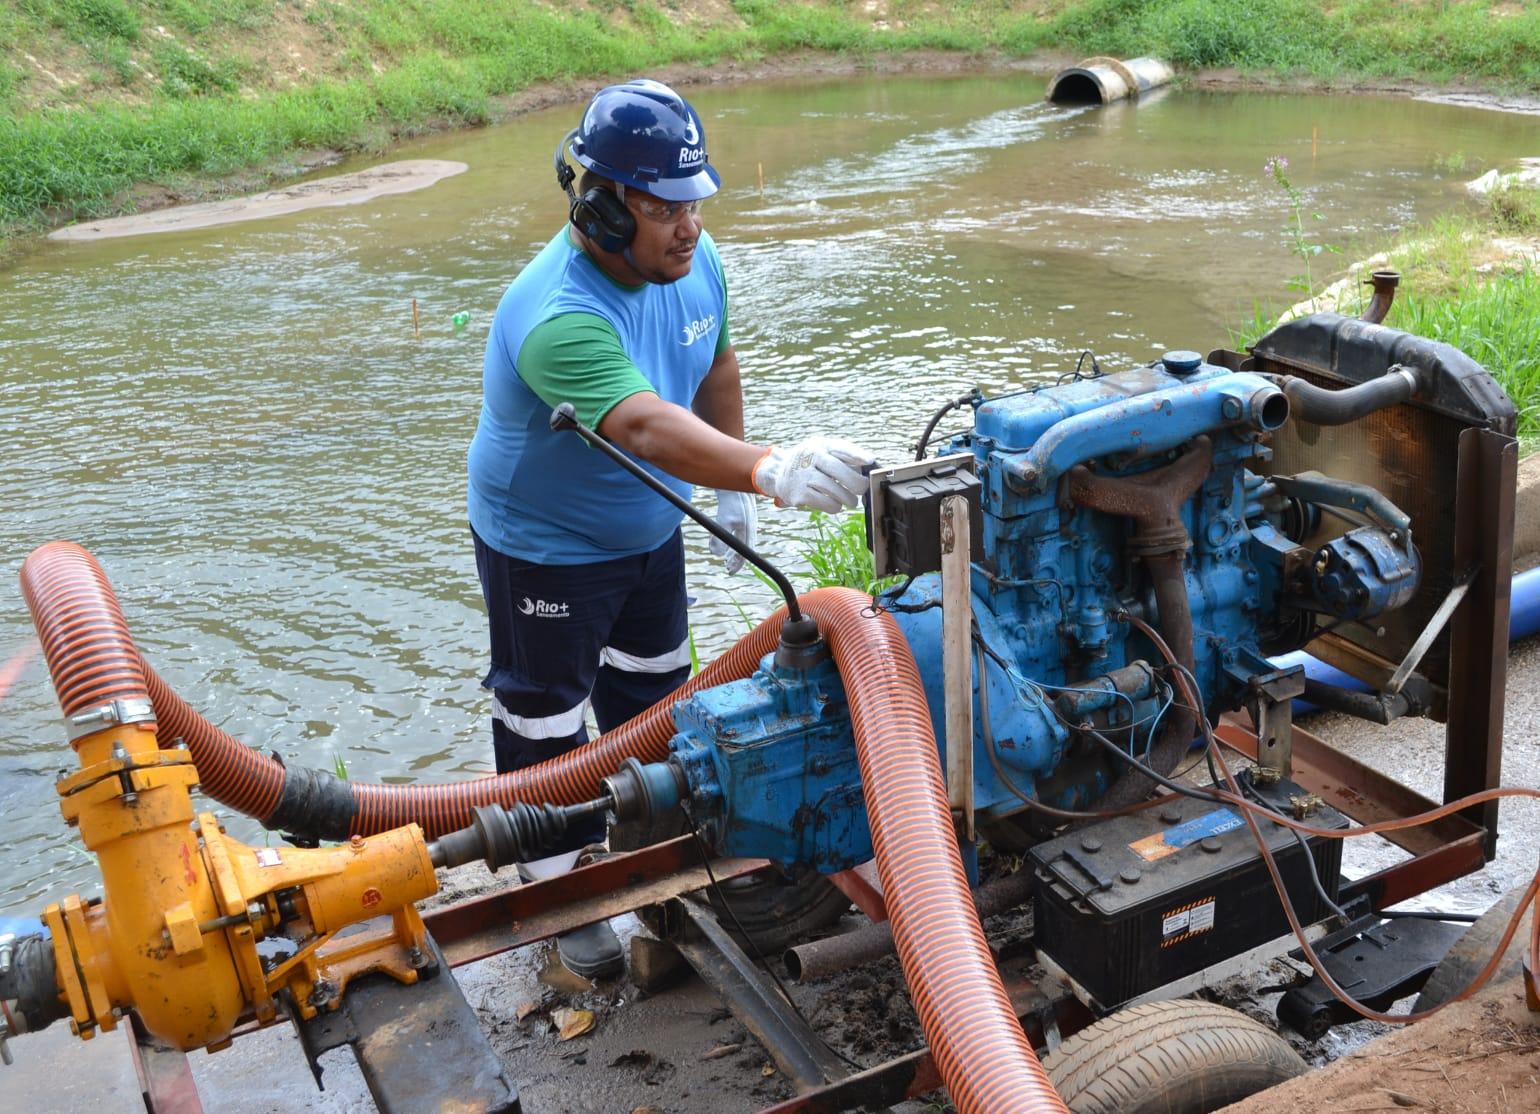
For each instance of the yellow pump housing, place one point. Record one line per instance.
(175, 935)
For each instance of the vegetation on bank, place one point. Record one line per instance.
(1470, 278)
(98, 96)
(101, 97)
(1456, 292)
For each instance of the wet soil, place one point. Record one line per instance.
(1480, 1056)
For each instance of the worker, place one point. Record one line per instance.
(624, 315)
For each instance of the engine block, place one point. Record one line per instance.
(1143, 563)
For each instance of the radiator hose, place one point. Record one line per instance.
(982, 1054)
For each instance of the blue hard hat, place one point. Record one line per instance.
(645, 135)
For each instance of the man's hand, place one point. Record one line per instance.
(820, 474)
(737, 515)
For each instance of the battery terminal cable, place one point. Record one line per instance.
(1252, 811)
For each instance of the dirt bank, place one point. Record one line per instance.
(1480, 1056)
(253, 194)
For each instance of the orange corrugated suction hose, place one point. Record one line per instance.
(90, 656)
(93, 660)
(983, 1056)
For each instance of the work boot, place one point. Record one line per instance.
(591, 952)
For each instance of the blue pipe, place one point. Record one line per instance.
(22, 926)
(1523, 621)
(1524, 616)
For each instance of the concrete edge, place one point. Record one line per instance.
(1526, 515)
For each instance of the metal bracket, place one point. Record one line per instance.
(107, 715)
(1436, 624)
(881, 478)
(957, 657)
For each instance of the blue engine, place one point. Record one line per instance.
(1128, 532)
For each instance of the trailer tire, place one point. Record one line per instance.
(776, 909)
(1474, 948)
(1172, 1057)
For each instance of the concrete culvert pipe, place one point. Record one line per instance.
(1104, 80)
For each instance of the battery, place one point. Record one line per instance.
(1135, 902)
(912, 520)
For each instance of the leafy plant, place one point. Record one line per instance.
(1450, 164)
(1300, 242)
(183, 73)
(1495, 320)
(838, 556)
(91, 18)
(1516, 209)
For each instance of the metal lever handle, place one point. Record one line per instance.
(564, 417)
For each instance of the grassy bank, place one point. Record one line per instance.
(105, 102)
(1470, 279)
(98, 96)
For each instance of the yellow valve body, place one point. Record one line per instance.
(174, 936)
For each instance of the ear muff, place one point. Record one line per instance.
(604, 219)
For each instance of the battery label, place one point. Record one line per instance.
(1187, 921)
(1172, 840)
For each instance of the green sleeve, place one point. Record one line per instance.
(724, 342)
(577, 358)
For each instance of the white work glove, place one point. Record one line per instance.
(737, 515)
(820, 474)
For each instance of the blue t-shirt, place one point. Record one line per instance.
(548, 497)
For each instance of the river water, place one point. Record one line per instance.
(265, 453)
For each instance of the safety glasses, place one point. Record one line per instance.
(666, 212)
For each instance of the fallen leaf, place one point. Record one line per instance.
(524, 1009)
(767, 1071)
(572, 1023)
(720, 1050)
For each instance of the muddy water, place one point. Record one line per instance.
(263, 444)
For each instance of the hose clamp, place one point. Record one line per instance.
(136, 710)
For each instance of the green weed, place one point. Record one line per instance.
(91, 19)
(1495, 320)
(1450, 164)
(185, 74)
(1515, 209)
(1453, 291)
(837, 554)
(1300, 241)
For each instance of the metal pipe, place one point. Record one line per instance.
(818, 959)
(1324, 406)
(1154, 500)
(1384, 284)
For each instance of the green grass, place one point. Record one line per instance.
(1495, 322)
(1428, 41)
(837, 555)
(126, 75)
